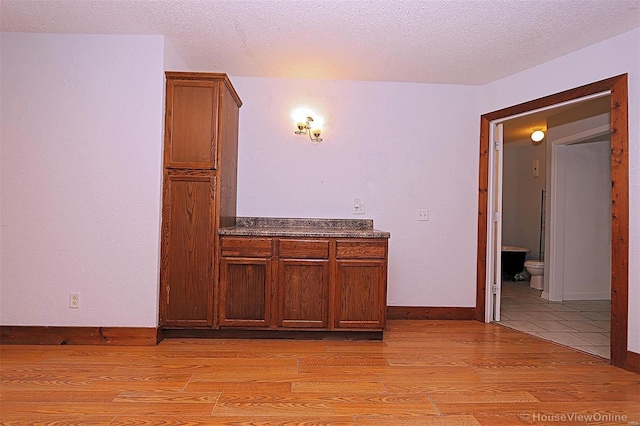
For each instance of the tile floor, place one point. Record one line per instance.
(580, 324)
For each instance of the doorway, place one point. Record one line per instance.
(617, 86)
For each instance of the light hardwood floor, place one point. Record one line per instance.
(423, 373)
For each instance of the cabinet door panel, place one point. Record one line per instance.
(245, 292)
(191, 139)
(304, 249)
(188, 249)
(303, 293)
(246, 247)
(361, 294)
(361, 249)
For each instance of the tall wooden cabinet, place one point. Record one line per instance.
(199, 193)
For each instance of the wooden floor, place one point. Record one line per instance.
(423, 373)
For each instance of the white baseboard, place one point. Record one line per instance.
(586, 296)
(545, 295)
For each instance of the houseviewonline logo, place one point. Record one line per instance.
(577, 417)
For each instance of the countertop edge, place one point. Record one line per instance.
(303, 228)
(292, 232)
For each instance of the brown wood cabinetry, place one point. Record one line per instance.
(199, 194)
(303, 293)
(303, 284)
(245, 282)
(245, 292)
(188, 241)
(360, 298)
(361, 267)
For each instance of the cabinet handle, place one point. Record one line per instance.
(168, 292)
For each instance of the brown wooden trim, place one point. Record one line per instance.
(483, 205)
(42, 335)
(619, 221)
(619, 198)
(567, 95)
(272, 334)
(633, 362)
(430, 313)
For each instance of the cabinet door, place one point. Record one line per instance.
(191, 124)
(360, 294)
(245, 292)
(303, 292)
(187, 271)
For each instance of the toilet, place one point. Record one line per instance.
(536, 269)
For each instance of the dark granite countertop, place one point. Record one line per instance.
(288, 227)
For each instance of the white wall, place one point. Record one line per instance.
(399, 147)
(81, 154)
(579, 209)
(509, 196)
(522, 195)
(612, 57)
(587, 221)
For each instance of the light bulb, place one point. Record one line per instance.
(537, 135)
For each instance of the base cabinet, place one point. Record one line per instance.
(360, 297)
(311, 284)
(303, 293)
(245, 292)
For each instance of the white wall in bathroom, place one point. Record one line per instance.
(578, 252)
(509, 195)
(522, 195)
(587, 221)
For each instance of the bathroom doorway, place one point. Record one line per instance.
(577, 177)
(486, 283)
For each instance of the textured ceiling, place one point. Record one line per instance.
(430, 41)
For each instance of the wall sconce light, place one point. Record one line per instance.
(307, 125)
(537, 136)
(314, 132)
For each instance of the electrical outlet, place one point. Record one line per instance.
(423, 214)
(74, 300)
(358, 206)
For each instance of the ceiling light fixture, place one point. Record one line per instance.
(537, 135)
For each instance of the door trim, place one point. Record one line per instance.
(619, 200)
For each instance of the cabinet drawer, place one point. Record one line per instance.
(304, 249)
(361, 249)
(247, 247)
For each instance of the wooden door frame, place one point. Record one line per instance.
(619, 200)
